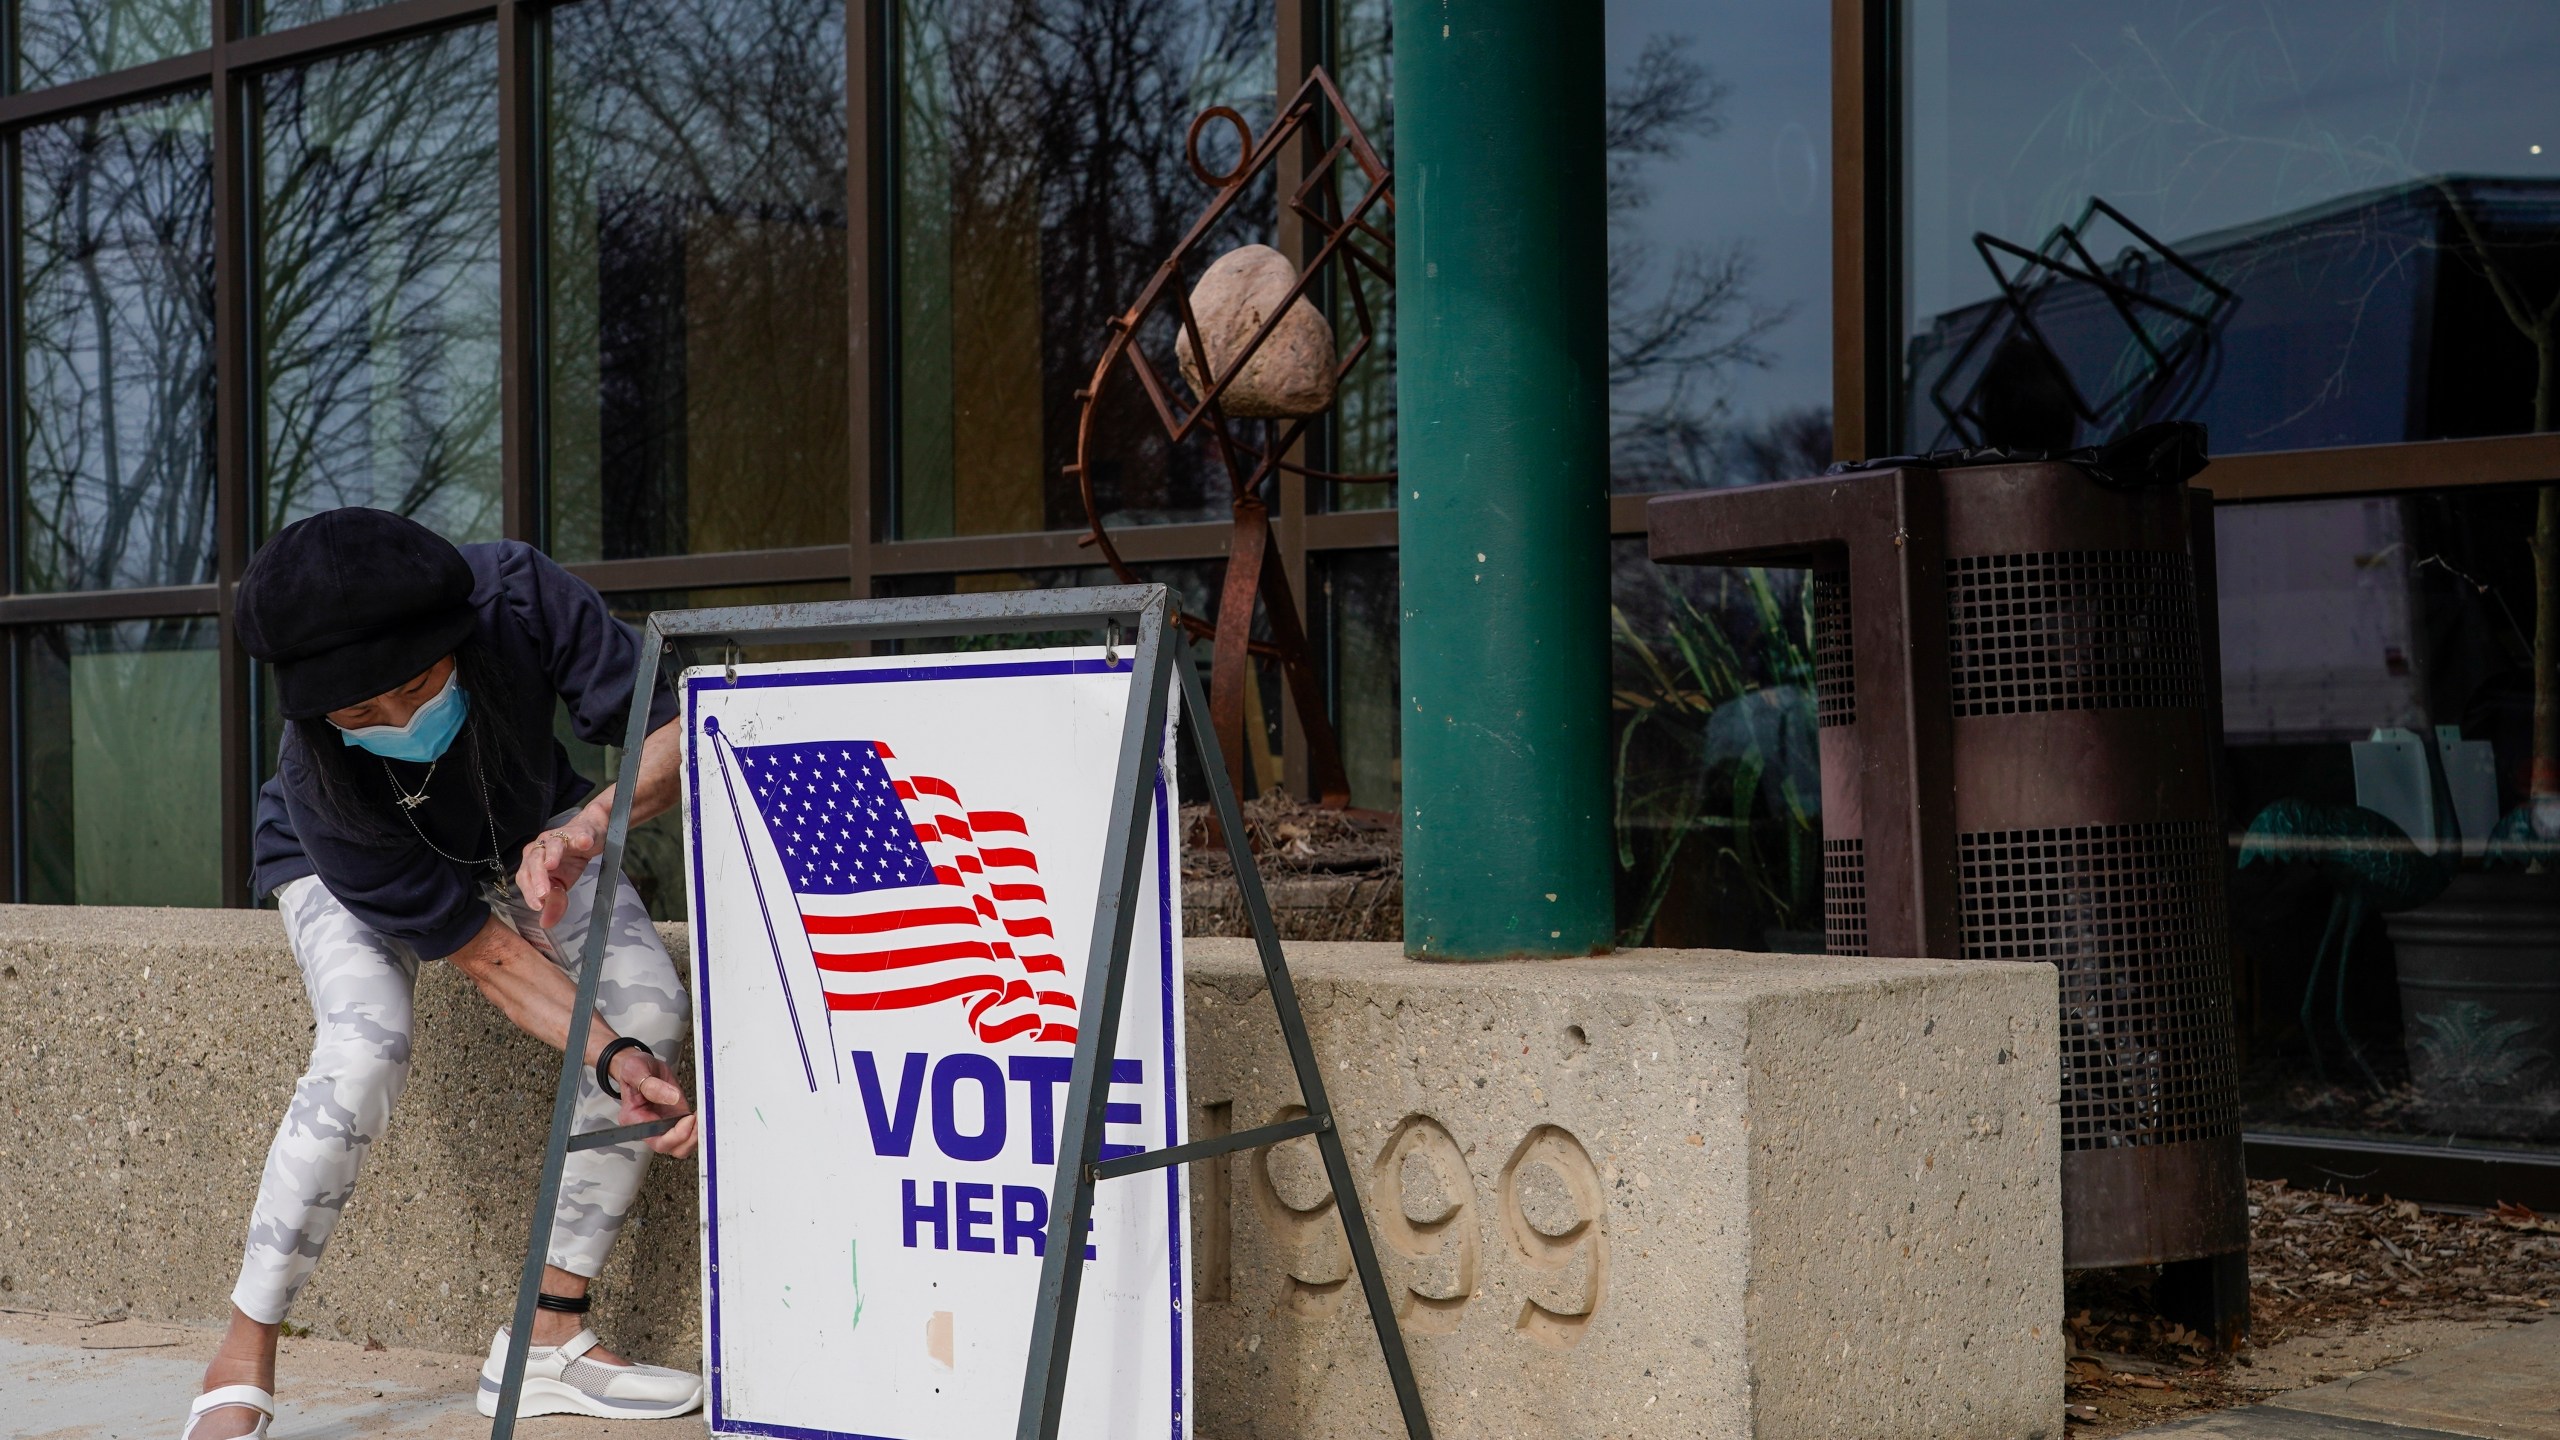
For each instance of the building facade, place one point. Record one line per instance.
(740, 300)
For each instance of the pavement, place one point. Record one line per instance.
(75, 1378)
(2504, 1386)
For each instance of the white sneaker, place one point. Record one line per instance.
(561, 1380)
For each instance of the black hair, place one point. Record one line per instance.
(348, 799)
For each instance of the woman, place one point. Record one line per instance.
(421, 810)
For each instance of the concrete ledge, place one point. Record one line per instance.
(149, 1054)
(1689, 1193)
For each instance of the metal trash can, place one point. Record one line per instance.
(2018, 696)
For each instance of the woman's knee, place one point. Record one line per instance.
(359, 1066)
(651, 1012)
(642, 996)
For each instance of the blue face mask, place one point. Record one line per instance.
(427, 735)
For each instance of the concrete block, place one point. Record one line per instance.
(145, 1058)
(1665, 1193)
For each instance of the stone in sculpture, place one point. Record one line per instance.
(1291, 376)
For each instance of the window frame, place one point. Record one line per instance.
(1867, 212)
(1865, 205)
(227, 69)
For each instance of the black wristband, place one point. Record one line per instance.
(604, 1062)
(566, 1305)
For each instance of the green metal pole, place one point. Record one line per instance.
(1502, 392)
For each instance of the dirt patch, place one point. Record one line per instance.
(2338, 1285)
(1329, 874)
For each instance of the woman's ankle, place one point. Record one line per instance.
(559, 1327)
(247, 1355)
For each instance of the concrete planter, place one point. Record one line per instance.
(2480, 1002)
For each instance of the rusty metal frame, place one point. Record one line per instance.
(1310, 145)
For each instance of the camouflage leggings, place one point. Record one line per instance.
(361, 984)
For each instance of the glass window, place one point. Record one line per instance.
(1716, 767)
(698, 385)
(286, 14)
(1363, 437)
(377, 275)
(122, 802)
(654, 855)
(64, 40)
(1719, 134)
(1040, 182)
(1194, 586)
(116, 267)
(2392, 932)
(1355, 621)
(2294, 221)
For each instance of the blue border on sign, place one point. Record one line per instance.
(719, 1423)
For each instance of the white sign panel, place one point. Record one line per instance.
(894, 867)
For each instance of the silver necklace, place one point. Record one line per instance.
(405, 800)
(409, 804)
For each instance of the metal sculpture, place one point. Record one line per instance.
(1350, 253)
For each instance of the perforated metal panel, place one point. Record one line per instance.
(2132, 915)
(1834, 688)
(2073, 630)
(1844, 896)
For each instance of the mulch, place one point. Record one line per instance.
(1328, 874)
(1292, 838)
(2318, 1263)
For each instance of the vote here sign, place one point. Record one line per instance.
(894, 867)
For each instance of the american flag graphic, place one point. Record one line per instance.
(910, 898)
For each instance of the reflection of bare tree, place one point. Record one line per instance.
(62, 40)
(378, 284)
(1042, 145)
(118, 344)
(2222, 114)
(697, 175)
(1672, 343)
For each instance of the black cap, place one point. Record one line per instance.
(350, 603)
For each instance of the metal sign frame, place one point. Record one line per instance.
(1160, 660)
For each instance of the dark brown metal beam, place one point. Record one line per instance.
(1865, 227)
(149, 602)
(235, 468)
(354, 31)
(870, 352)
(2478, 1176)
(2377, 469)
(99, 92)
(1626, 514)
(711, 572)
(1048, 549)
(13, 467)
(1365, 530)
(1300, 50)
(521, 372)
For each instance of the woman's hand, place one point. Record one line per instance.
(650, 1092)
(555, 860)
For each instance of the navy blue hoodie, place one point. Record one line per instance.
(551, 633)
